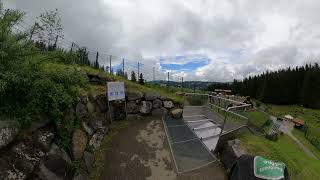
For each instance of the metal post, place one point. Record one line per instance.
(182, 84)
(138, 70)
(123, 67)
(154, 74)
(32, 31)
(97, 61)
(72, 44)
(168, 80)
(55, 42)
(110, 64)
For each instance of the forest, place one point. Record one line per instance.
(299, 85)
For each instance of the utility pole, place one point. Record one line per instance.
(194, 88)
(182, 84)
(123, 67)
(168, 79)
(110, 63)
(138, 69)
(97, 61)
(154, 77)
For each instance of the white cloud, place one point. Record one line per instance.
(241, 37)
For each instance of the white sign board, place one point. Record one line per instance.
(116, 91)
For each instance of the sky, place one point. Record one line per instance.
(205, 40)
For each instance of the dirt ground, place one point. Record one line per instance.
(141, 151)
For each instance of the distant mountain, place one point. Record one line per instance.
(186, 84)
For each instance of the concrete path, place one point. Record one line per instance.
(286, 128)
(141, 151)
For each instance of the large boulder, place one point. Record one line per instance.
(88, 129)
(57, 151)
(230, 152)
(168, 104)
(145, 107)
(177, 113)
(43, 140)
(150, 96)
(8, 131)
(157, 103)
(96, 139)
(55, 168)
(79, 143)
(134, 95)
(159, 112)
(90, 107)
(88, 160)
(102, 103)
(81, 110)
(132, 107)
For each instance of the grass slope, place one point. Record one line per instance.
(299, 164)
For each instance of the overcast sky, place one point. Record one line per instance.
(200, 39)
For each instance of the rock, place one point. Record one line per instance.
(81, 110)
(132, 107)
(57, 151)
(79, 143)
(97, 122)
(159, 112)
(54, 168)
(163, 98)
(43, 140)
(88, 129)
(84, 99)
(168, 104)
(90, 107)
(88, 160)
(134, 95)
(150, 96)
(82, 176)
(20, 162)
(96, 139)
(231, 152)
(177, 113)
(102, 104)
(37, 124)
(145, 107)
(157, 103)
(8, 131)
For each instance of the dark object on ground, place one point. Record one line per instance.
(244, 169)
(231, 152)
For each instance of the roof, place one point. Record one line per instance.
(288, 116)
(222, 90)
(299, 121)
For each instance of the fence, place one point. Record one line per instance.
(150, 69)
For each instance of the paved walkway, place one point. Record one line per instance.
(286, 128)
(141, 151)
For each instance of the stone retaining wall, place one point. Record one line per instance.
(40, 156)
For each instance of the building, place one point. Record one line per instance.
(223, 91)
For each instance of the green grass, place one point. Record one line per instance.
(310, 116)
(300, 165)
(300, 136)
(99, 155)
(257, 118)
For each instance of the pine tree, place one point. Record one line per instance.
(133, 76)
(141, 80)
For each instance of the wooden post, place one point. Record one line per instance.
(97, 61)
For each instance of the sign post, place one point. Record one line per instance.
(116, 91)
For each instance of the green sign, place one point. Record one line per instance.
(267, 169)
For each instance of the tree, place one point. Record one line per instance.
(133, 76)
(50, 28)
(141, 80)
